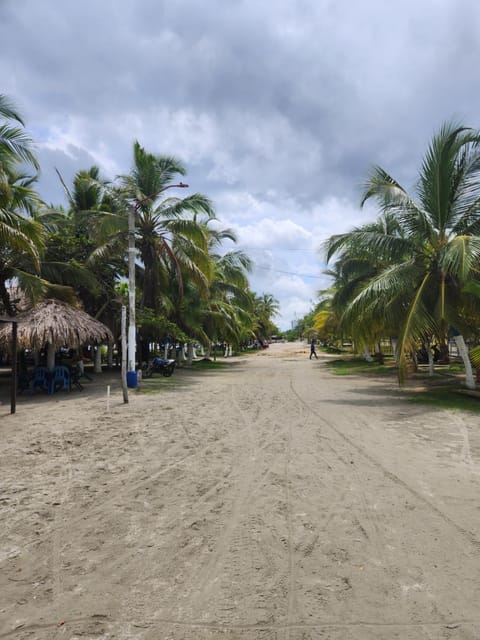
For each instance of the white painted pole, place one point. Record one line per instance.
(132, 331)
(123, 370)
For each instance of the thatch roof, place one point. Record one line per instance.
(57, 323)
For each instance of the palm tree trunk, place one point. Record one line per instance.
(366, 354)
(50, 356)
(429, 356)
(394, 342)
(97, 366)
(414, 360)
(463, 353)
(181, 354)
(110, 356)
(430, 363)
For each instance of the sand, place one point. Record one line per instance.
(270, 500)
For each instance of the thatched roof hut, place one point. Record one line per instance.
(56, 324)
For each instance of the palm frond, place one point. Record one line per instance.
(461, 256)
(384, 189)
(195, 204)
(15, 145)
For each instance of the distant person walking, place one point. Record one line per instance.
(312, 350)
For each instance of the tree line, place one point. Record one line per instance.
(412, 275)
(188, 286)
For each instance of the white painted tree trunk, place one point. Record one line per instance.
(366, 354)
(97, 367)
(431, 370)
(414, 358)
(463, 352)
(190, 353)
(395, 349)
(181, 354)
(430, 358)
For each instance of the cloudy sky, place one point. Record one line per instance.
(277, 108)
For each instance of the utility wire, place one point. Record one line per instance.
(289, 273)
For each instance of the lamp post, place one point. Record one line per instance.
(132, 329)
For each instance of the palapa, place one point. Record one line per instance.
(56, 323)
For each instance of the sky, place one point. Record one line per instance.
(278, 109)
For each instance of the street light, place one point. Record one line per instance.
(132, 329)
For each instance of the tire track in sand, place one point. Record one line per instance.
(467, 535)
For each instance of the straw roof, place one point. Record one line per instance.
(57, 323)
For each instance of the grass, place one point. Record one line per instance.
(441, 396)
(207, 364)
(358, 366)
(450, 398)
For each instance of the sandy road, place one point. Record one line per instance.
(270, 501)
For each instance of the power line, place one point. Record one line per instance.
(290, 273)
(281, 249)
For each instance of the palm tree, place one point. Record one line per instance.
(29, 231)
(167, 231)
(361, 255)
(15, 143)
(217, 312)
(266, 308)
(75, 249)
(228, 312)
(325, 320)
(170, 240)
(21, 237)
(435, 254)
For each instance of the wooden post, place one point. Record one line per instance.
(13, 390)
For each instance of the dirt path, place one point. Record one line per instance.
(269, 501)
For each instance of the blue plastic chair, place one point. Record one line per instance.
(60, 379)
(40, 379)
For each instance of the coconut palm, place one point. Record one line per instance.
(228, 312)
(325, 320)
(15, 143)
(266, 308)
(73, 256)
(21, 237)
(437, 251)
(167, 231)
(217, 312)
(361, 255)
(26, 224)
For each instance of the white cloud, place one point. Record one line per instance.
(277, 115)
